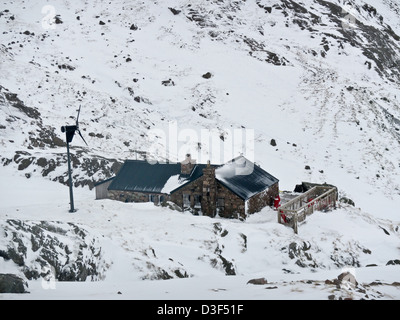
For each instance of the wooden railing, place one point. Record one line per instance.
(318, 198)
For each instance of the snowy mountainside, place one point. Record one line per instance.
(319, 77)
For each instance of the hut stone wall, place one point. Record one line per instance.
(262, 199)
(129, 196)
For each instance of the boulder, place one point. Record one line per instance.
(168, 83)
(347, 201)
(347, 277)
(57, 19)
(175, 11)
(259, 281)
(393, 262)
(10, 283)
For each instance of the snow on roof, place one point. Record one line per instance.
(173, 183)
(244, 178)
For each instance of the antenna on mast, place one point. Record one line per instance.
(69, 135)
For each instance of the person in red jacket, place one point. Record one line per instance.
(277, 202)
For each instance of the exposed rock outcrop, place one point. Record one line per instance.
(65, 249)
(11, 283)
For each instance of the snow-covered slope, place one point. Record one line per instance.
(321, 78)
(190, 257)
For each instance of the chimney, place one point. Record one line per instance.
(187, 164)
(209, 191)
(209, 173)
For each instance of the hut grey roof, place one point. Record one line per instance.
(142, 176)
(240, 176)
(244, 178)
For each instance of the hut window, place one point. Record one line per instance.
(220, 202)
(186, 200)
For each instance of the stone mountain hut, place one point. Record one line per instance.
(231, 190)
